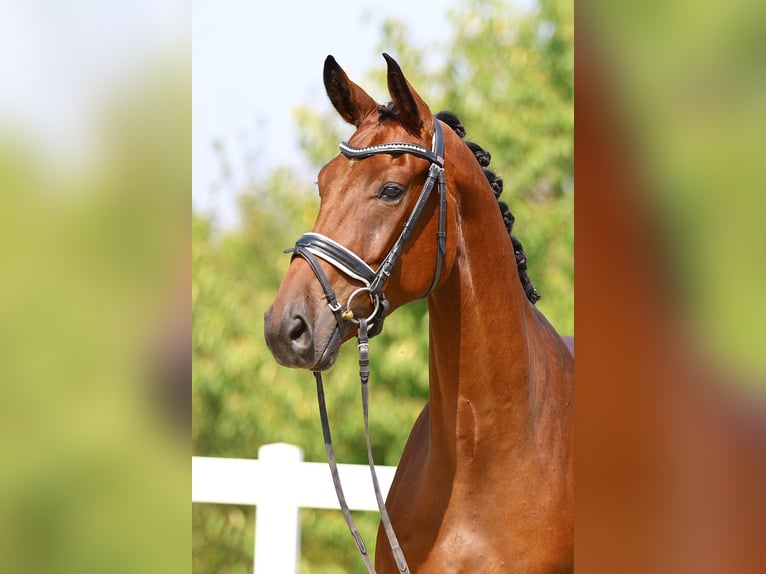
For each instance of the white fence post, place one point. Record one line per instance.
(277, 519)
(278, 483)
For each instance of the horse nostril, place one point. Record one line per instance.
(298, 328)
(289, 337)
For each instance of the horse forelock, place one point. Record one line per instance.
(388, 111)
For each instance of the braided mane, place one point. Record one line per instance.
(496, 183)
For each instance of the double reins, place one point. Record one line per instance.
(313, 246)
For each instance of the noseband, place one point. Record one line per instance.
(311, 246)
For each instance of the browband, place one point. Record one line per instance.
(393, 147)
(434, 155)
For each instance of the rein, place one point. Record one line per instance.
(314, 246)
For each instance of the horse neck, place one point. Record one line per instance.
(485, 378)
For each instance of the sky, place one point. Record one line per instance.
(254, 62)
(58, 60)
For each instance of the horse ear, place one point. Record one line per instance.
(351, 101)
(414, 112)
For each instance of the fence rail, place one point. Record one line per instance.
(279, 483)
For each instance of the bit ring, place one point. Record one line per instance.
(348, 314)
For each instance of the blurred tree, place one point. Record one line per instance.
(507, 73)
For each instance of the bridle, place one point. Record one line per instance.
(312, 246)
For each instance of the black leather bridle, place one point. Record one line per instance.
(311, 246)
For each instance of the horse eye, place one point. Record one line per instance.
(390, 192)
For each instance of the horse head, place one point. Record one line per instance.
(377, 187)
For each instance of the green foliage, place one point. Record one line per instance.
(92, 311)
(508, 75)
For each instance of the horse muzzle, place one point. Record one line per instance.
(300, 340)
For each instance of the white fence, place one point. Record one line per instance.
(279, 483)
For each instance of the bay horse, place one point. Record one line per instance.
(485, 481)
